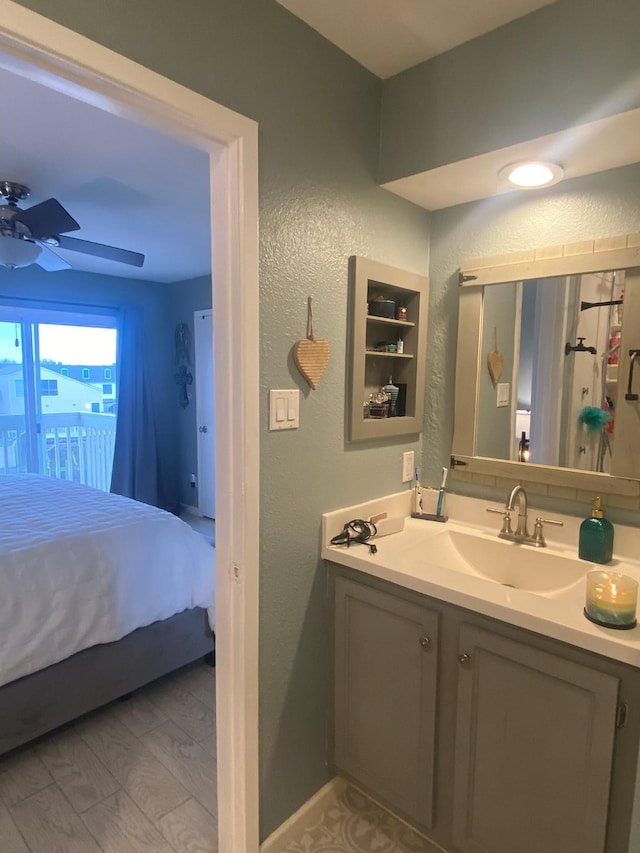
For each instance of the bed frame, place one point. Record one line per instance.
(38, 703)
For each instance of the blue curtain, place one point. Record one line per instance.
(135, 460)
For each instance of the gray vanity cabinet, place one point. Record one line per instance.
(488, 738)
(385, 696)
(533, 749)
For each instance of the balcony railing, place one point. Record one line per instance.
(75, 446)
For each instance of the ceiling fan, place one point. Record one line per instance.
(30, 236)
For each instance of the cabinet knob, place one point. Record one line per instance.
(464, 659)
(425, 642)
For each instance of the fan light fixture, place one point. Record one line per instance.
(533, 174)
(15, 252)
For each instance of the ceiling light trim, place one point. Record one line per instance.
(532, 174)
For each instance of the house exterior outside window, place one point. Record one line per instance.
(86, 373)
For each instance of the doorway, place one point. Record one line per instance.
(37, 48)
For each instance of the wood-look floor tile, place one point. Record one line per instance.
(190, 829)
(82, 777)
(197, 680)
(185, 710)
(10, 838)
(22, 774)
(49, 824)
(138, 714)
(147, 781)
(188, 761)
(119, 826)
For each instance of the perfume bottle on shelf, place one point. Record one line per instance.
(392, 391)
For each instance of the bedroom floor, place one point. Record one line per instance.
(138, 776)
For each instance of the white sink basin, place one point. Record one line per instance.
(519, 566)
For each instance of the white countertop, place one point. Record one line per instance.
(402, 559)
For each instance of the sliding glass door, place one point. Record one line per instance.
(58, 394)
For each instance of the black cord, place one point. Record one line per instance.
(359, 531)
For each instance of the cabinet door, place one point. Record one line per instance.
(385, 695)
(533, 754)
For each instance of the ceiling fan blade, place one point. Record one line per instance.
(51, 262)
(46, 219)
(99, 250)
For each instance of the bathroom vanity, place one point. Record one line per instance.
(494, 719)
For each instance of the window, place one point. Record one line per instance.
(57, 435)
(107, 374)
(49, 387)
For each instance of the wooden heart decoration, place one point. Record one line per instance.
(311, 357)
(495, 365)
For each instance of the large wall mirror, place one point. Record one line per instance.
(547, 384)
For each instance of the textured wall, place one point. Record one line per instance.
(568, 63)
(319, 203)
(601, 205)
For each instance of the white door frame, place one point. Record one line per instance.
(35, 47)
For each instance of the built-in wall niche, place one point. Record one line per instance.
(387, 331)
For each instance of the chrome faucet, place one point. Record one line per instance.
(519, 494)
(521, 534)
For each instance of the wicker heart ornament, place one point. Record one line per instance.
(311, 357)
(311, 354)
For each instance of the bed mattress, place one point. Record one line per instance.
(80, 567)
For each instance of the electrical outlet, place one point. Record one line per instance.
(408, 464)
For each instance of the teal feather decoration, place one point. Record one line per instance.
(594, 418)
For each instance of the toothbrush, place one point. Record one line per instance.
(445, 472)
(418, 491)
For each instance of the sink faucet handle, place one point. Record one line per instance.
(506, 518)
(538, 536)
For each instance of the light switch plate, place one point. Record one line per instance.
(284, 409)
(503, 394)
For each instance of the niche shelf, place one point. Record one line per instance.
(371, 368)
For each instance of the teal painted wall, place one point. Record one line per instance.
(319, 203)
(568, 63)
(33, 283)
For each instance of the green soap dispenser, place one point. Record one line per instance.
(596, 536)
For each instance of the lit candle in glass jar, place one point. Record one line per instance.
(611, 599)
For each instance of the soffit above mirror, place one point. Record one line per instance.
(583, 150)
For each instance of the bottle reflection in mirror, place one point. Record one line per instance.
(523, 448)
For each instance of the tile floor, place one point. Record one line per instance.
(354, 824)
(138, 776)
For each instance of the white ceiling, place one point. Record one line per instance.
(388, 36)
(125, 185)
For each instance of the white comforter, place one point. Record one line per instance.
(80, 567)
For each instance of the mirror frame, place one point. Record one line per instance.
(587, 256)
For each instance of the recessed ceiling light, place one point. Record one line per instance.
(533, 174)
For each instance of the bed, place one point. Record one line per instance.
(99, 594)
